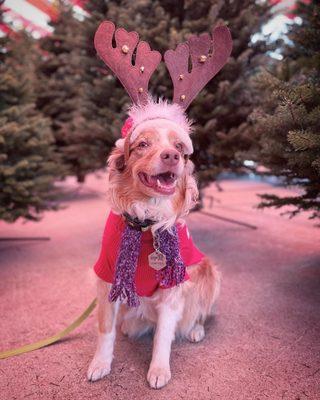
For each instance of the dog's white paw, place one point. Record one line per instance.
(98, 369)
(158, 377)
(196, 334)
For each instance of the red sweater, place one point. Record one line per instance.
(145, 277)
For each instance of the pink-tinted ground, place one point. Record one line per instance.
(263, 343)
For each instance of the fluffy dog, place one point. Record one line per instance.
(155, 183)
(148, 260)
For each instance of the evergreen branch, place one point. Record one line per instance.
(303, 140)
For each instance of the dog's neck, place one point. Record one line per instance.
(137, 223)
(159, 210)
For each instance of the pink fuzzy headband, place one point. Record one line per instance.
(157, 115)
(208, 54)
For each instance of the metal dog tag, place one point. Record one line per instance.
(157, 260)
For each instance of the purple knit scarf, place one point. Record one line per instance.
(174, 272)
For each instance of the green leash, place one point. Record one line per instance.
(53, 339)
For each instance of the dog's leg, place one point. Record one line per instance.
(107, 314)
(169, 314)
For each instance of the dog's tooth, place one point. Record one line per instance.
(158, 183)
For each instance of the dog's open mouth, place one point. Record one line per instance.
(163, 183)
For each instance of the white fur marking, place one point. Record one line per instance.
(169, 313)
(100, 365)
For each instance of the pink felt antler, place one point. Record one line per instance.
(205, 65)
(134, 78)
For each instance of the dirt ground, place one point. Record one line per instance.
(263, 343)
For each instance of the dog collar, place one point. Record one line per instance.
(135, 222)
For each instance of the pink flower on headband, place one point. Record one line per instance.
(126, 127)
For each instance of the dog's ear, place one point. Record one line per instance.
(188, 190)
(116, 161)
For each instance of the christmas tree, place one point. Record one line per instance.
(28, 163)
(218, 111)
(82, 139)
(286, 126)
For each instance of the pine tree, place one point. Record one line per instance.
(222, 107)
(62, 95)
(28, 163)
(286, 126)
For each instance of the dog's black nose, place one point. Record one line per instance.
(170, 157)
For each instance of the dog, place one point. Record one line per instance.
(157, 184)
(148, 260)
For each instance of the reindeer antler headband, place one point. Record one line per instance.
(208, 55)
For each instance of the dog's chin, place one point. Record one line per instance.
(160, 185)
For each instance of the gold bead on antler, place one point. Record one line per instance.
(203, 58)
(182, 97)
(142, 69)
(140, 90)
(125, 49)
(181, 76)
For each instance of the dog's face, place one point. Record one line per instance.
(157, 162)
(154, 166)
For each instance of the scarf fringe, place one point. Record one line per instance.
(124, 294)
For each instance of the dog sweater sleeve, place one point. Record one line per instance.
(104, 267)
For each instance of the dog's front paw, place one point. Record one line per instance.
(158, 376)
(98, 369)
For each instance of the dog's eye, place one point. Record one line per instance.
(179, 146)
(143, 144)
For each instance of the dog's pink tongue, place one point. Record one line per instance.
(162, 183)
(152, 180)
